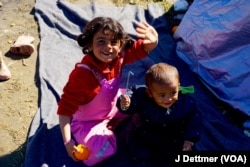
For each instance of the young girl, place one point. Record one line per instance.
(88, 101)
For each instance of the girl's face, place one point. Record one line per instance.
(104, 47)
(164, 95)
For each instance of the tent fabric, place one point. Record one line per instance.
(213, 39)
(60, 22)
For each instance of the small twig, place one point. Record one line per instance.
(129, 73)
(23, 61)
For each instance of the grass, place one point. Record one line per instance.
(166, 4)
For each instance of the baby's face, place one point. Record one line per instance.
(105, 47)
(164, 95)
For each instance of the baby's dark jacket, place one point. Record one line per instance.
(155, 125)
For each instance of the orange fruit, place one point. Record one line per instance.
(82, 153)
(174, 29)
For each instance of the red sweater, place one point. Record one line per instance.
(83, 86)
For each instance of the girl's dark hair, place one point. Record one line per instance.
(102, 24)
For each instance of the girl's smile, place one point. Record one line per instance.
(105, 47)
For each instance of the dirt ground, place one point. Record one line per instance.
(19, 94)
(19, 99)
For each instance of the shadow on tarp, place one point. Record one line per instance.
(15, 158)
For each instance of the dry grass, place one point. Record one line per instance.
(166, 4)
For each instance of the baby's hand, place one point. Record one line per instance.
(148, 34)
(187, 146)
(124, 101)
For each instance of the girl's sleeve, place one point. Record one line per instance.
(80, 89)
(136, 52)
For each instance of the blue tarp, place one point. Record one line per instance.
(214, 40)
(61, 21)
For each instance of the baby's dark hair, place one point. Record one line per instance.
(161, 73)
(102, 24)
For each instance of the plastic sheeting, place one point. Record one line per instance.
(214, 40)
